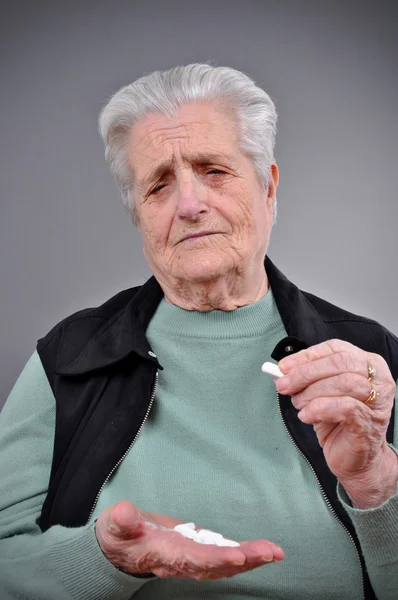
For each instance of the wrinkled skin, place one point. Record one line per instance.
(329, 384)
(137, 541)
(207, 186)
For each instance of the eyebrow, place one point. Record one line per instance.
(164, 167)
(197, 158)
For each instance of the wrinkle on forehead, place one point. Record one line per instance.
(190, 116)
(196, 129)
(159, 133)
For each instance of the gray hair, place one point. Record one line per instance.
(166, 91)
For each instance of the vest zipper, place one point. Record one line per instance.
(324, 495)
(155, 385)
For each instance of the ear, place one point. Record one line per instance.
(273, 182)
(136, 219)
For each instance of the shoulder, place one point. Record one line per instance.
(331, 313)
(357, 329)
(31, 396)
(87, 321)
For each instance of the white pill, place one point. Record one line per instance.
(225, 542)
(185, 527)
(271, 369)
(206, 536)
(207, 533)
(203, 536)
(186, 531)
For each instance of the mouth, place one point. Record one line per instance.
(199, 234)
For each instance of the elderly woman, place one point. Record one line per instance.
(156, 399)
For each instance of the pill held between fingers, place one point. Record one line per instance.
(271, 369)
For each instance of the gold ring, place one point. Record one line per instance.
(371, 372)
(372, 397)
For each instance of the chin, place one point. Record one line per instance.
(203, 269)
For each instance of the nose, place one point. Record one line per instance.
(191, 197)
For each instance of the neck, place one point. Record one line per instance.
(224, 293)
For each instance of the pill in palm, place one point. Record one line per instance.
(186, 531)
(207, 534)
(211, 537)
(203, 536)
(225, 542)
(271, 369)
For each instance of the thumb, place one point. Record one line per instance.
(125, 520)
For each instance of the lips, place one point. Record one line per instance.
(199, 234)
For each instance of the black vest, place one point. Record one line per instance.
(102, 371)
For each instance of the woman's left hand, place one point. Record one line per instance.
(329, 384)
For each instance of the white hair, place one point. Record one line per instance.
(166, 91)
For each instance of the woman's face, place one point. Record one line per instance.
(201, 208)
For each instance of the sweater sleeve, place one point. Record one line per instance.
(377, 530)
(62, 562)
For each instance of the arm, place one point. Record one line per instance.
(62, 562)
(377, 530)
(83, 562)
(330, 385)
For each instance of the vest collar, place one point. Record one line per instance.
(124, 333)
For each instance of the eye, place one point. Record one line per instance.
(215, 172)
(157, 189)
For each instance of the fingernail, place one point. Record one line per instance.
(302, 415)
(286, 363)
(266, 559)
(282, 384)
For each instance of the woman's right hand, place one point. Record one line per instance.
(142, 542)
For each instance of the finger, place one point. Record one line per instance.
(213, 562)
(316, 352)
(212, 574)
(335, 346)
(324, 430)
(125, 521)
(345, 384)
(183, 554)
(250, 552)
(263, 548)
(341, 409)
(210, 556)
(306, 374)
(232, 571)
(382, 369)
(181, 557)
(189, 556)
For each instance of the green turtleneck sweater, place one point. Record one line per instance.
(214, 451)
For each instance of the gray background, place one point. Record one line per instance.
(65, 240)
